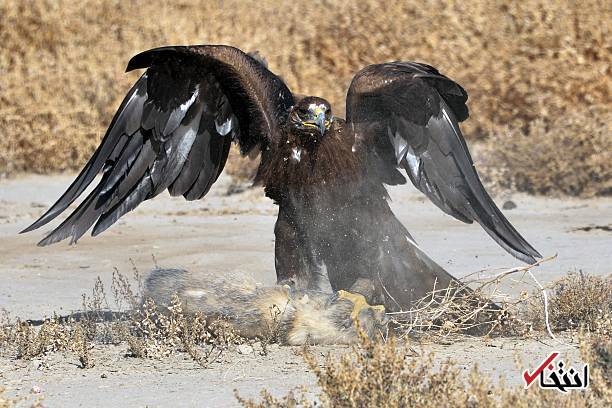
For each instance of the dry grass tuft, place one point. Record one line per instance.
(49, 337)
(158, 333)
(375, 374)
(577, 301)
(570, 154)
(5, 402)
(598, 348)
(62, 62)
(148, 329)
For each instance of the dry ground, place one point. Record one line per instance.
(178, 381)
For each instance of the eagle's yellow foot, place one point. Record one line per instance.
(359, 303)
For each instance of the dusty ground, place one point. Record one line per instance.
(231, 233)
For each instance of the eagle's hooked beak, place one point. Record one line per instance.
(320, 122)
(315, 116)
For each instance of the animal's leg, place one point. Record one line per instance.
(291, 267)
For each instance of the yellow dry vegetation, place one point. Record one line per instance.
(62, 61)
(391, 374)
(568, 155)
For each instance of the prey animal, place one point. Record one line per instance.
(327, 175)
(290, 316)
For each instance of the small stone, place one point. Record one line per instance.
(37, 364)
(509, 205)
(36, 389)
(244, 349)
(103, 375)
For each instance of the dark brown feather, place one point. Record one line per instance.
(174, 130)
(327, 162)
(406, 115)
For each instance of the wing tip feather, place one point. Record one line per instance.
(43, 219)
(146, 58)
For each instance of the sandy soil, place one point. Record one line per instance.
(234, 233)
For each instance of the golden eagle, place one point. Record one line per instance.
(327, 175)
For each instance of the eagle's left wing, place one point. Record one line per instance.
(173, 131)
(406, 115)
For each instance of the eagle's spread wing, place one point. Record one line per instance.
(173, 130)
(406, 115)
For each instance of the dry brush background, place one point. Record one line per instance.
(538, 72)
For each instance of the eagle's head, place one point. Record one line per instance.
(311, 116)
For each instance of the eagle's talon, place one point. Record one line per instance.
(359, 303)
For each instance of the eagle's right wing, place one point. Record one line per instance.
(406, 115)
(173, 130)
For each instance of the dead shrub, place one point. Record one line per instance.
(577, 301)
(155, 332)
(51, 336)
(478, 306)
(5, 402)
(148, 329)
(456, 311)
(81, 347)
(474, 306)
(376, 374)
(596, 349)
(569, 154)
